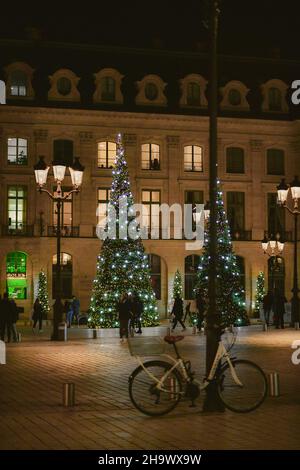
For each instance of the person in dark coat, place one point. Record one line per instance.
(187, 311)
(201, 306)
(177, 311)
(267, 306)
(1, 317)
(7, 312)
(124, 309)
(279, 308)
(137, 308)
(15, 318)
(37, 315)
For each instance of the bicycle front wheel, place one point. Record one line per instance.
(248, 392)
(144, 393)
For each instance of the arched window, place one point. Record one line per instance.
(108, 89)
(193, 158)
(193, 94)
(234, 97)
(274, 95)
(66, 276)
(235, 161)
(276, 274)
(191, 264)
(16, 274)
(18, 83)
(64, 86)
(150, 157)
(154, 262)
(106, 154)
(240, 261)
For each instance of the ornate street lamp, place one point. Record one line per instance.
(292, 205)
(273, 248)
(41, 172)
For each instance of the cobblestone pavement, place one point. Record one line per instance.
(32, 415)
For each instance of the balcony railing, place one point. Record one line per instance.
(241, 235)
(21, 231)
(66, 231)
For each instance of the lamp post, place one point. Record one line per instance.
(273, 248)
(288, 196)
(41, 172)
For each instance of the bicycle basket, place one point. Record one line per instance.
(147, 346)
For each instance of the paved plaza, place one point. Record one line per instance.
(32, 415)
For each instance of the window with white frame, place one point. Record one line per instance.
(18, 83)
(17, 151)
(150, 209)
(150, 157)
(103, 202)
(193, 158)
(106, 154)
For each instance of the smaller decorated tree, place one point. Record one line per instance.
(43, 293)
(177, 286)
(259, 292)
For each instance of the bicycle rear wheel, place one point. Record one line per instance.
(144, 393)
(248, 396)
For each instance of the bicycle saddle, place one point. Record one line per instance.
(173, 339)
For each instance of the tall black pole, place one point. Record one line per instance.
(57, 309)
(295, 298)
(212, 402)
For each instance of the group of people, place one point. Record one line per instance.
(274, 301)
(130, 309)
(177, 312)
(9, 316)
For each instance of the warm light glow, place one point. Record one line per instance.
(41, 172)
(295, 188)
(76, 171)
(59, 172)
(282, 192)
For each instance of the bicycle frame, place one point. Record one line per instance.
(179, 364)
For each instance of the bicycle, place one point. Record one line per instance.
(156, 387)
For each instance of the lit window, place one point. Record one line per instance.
(150, 211)
(103, 202)
(106, 154)
(190, 275)
(150, 157)
(17, 208)
(236, 211)
(16, 275)
(154, 262)
(193, 158)
(18, 83)
(66, 212)
(66, 276)
(16, 151)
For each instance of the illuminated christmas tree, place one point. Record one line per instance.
(43, 293)
(122, 265)
(177, 286)
(259, 292)
(229, 290)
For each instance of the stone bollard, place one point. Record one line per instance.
(62, 332)
(94, 334)
(19, 337)
(265, 326)
(296, 325)
(68, 394)
(194, 330)
(2, 352)
(274, 390)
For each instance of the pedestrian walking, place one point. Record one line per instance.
(137, 308)
(7, 312)
(279, 308)
(75, 307)
(267, 306)
(201, 307)
(177, 311)
(124, 308)
(15, 318)
(37, 316)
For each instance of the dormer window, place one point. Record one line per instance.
(19, 76)
(193, 88)
(108, 89)
(108, 86)
(274, 92)
(234, 96)
(150, 157)
(151, 91)
(64, 86)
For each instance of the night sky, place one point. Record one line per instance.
(247, 27)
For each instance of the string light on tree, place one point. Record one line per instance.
(121, 265)
(43, 293)
(229, 290)
(259, 292)
(177, 286)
